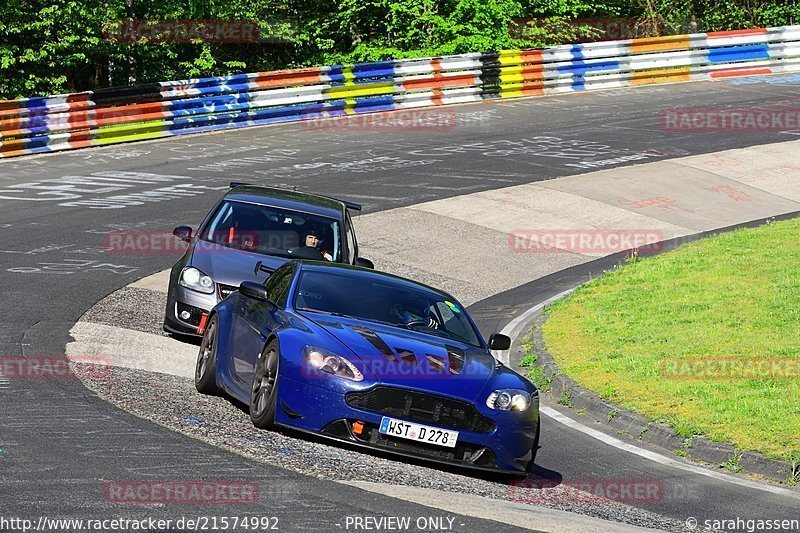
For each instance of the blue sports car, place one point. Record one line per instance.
(371, 359)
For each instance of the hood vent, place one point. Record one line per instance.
(407, 356)
(455, 355)
(453, 363)
(372, 338)
(435, 362)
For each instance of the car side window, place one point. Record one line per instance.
(277, 284)
(352, 245)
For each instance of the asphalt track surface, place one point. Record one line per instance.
(60, 443)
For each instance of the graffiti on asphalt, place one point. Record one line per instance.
(94, 191)
(72, 266)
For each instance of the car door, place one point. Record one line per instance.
(254, 320)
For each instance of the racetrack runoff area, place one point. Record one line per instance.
(468, 245)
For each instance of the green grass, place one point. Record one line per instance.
(732, 296)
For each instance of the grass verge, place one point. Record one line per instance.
(705, 338)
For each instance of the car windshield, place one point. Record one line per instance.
(377, 298)
(274, 231)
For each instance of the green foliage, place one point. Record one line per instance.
(52, 46)
(793, 477)
(566, 399)
(732, 463)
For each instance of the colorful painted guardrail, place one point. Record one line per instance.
(122, 114)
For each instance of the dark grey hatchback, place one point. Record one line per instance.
(248, 234)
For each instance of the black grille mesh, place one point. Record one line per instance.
(196, 314)
(422, 408)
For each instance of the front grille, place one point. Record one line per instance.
(464, 452)
(225, 290)
(196, 314)
(422, 408)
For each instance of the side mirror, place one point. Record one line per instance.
(366, 263)
(184, 233)
(498, 341)
(254, 290)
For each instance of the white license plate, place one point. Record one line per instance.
(418, 432)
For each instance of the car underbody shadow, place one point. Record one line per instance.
(187, 339)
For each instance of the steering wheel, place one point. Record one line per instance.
(307, 252)
(431, 323)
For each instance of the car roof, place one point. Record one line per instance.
(297, 201)
(317, 266)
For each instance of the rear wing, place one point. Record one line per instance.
(349, 205)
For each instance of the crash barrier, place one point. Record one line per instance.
(115, 115)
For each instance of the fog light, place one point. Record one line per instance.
(185, 315)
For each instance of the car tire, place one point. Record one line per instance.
(205, 372)
(535, 448)
(264, 389)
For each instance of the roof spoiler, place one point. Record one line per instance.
(349, 205)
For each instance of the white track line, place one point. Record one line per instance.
(514, 328)
(661, 459)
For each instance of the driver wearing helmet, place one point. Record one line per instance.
(415, 311)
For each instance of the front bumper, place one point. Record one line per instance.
(195, 303)
(505, 448)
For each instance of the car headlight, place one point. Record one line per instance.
(325, 361)
(509, 400)
(191, 278)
